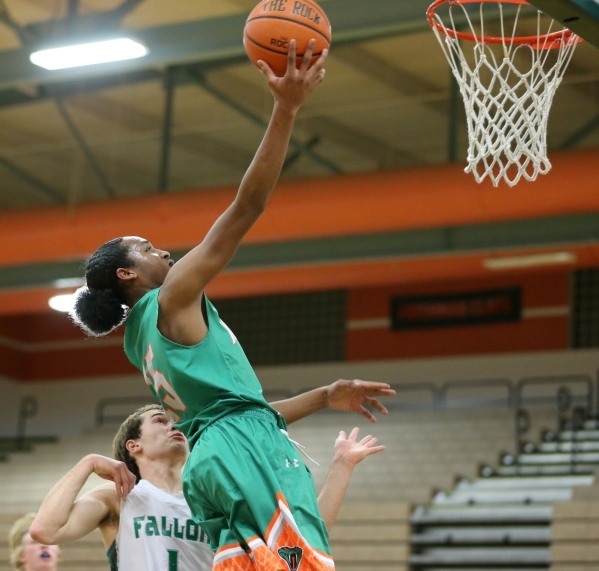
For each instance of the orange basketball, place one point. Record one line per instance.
(272, 24)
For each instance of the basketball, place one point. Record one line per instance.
(272, 24)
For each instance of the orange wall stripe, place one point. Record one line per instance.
(547, 288)
(529, 335)
(329, 206)
(538, 290)
(331, 276)
(88, 358)
(69, 364)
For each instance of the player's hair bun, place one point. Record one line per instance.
(100, 306)
(98, 311)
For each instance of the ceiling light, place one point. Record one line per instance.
(62, 303)
(88, 54)
(532, 260)
(69, 282)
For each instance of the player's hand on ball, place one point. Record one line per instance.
(291, 90)
(114, 471)
(353, 395)
(348, 449)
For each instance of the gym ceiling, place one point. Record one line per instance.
(155, 147)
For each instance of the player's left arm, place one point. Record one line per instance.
(348, 452)
(341, 395)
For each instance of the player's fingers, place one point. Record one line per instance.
(372, 385)
(319, 63)
(353, 435)
(128, 482)
(132, 481)
(376, 404)
(119, 486)
(291, 57)
(307, 56)
(317, 69)
(317, 79)
(380, 392)
(365, 412)
(376, 449)
(266, 70)
(342, 435)
(378, 389)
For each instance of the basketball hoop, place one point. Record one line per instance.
(508, 81)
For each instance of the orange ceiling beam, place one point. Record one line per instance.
(425, 197)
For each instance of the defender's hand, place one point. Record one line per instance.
(353, 395)
(291, 90)
(349, 450)
(114, 471)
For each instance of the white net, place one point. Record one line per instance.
(507, 84)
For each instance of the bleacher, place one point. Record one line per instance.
(503, 518)
(26, 477)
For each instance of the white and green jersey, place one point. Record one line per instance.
(157, 533)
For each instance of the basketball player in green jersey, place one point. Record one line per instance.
(244, 481)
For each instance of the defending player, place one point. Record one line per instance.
(149, 526)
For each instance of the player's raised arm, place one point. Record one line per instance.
(348, 453)
(62, 518)
(188, 278)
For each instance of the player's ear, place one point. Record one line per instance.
(125, 274)
(132, 446)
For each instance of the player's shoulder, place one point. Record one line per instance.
(106, 494)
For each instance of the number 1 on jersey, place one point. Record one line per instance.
(173, 560)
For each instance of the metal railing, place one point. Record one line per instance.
(433, 396)
(106, 413)
(439, 397)
(28, 408)
(102, 417)
(562, 380)
(477, 384)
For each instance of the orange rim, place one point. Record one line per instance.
(541, 42)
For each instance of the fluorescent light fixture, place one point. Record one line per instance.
(88, 54)
(69, 282)
(532, 260)
(62, 303)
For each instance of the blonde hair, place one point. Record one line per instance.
(15, 539)
(16, 534)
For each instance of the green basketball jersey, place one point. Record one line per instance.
(198, 384)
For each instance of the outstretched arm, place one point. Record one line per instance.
(188, 278)
(348, 453)
(341, 395)
(62, 518)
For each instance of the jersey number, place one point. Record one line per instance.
(173, 560)
(159, 382)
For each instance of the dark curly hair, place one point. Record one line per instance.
(100, 305)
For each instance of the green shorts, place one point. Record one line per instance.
(248, 488)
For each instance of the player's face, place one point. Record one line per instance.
(39, 557)
(159, 438)
(152, 263)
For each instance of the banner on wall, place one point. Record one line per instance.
(469, 308)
